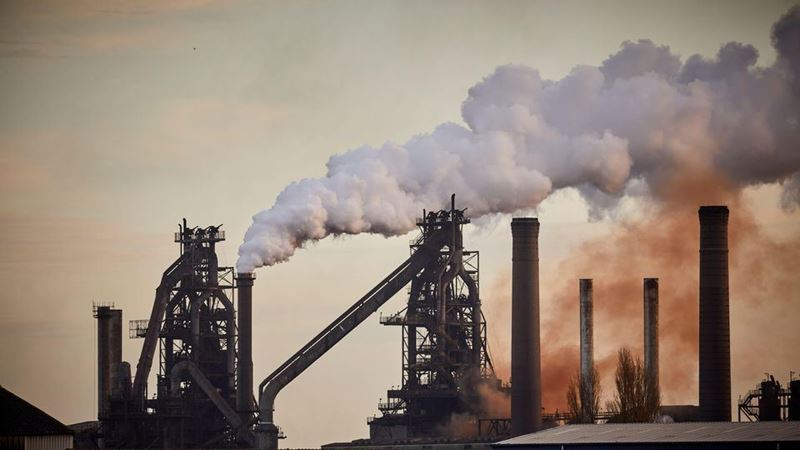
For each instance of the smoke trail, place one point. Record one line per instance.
(625, 127)
(664, 243)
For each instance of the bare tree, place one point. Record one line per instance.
(583, 397)
(637, 398)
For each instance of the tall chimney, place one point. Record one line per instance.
(244, 376)
(651, 328)
(109, 353)
(587, 332)
(526, 385)
(715, 347)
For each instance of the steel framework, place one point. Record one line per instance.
(769, 402)
(199, 327)
(193, 320)
(445, 357)
(453, 358)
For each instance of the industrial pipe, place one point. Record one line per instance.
(526, 387)
(109, 353)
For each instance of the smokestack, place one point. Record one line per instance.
(587, 332)
(715, 347)
(244, 376)
(526, 386)
(650, 290)
(109, 353)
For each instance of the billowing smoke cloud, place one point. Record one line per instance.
(624, 128)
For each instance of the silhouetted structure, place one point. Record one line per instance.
(526, 387)
(650, 294)
(715, 343)
(26, 427)
(193, 319)
(444, 339)
(770, 402)
(441, 371)
(586, 307)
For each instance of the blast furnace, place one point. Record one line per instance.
(193, 322)
(445, 359)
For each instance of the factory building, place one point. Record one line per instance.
(26, 427)
(654, 436)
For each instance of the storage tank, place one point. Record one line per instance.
(794, 400)
(769, 404)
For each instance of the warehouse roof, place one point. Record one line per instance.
(656, 432)
(20, 418)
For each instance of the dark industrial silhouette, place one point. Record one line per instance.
(715, 339)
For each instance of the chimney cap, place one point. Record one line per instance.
(525, 220)
(713, 209)
(525, 226)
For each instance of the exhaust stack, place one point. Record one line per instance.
(526, 387)
(651, 328)
(109, 353)
(715, 347)
(587, 332)
(244, 376)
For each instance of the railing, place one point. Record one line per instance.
(494, 427)
(391, 405)
(216, 236)
(137, 329)
(393, 319)
(98, 305)
(404, 319)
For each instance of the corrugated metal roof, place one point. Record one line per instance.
(656, 432)
(20, 418)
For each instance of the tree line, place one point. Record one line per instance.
(637, 397)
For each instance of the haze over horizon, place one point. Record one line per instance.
(120, 119)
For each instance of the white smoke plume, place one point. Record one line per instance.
(624, 128)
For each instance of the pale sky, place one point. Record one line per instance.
(120, 118)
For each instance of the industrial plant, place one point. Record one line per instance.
(199, 337)
(445, 357)
(537, 225)
(204, 393)
(203, 396)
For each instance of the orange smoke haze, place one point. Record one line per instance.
(495, 404)
(665, 244)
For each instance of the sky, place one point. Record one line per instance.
(121, 118)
